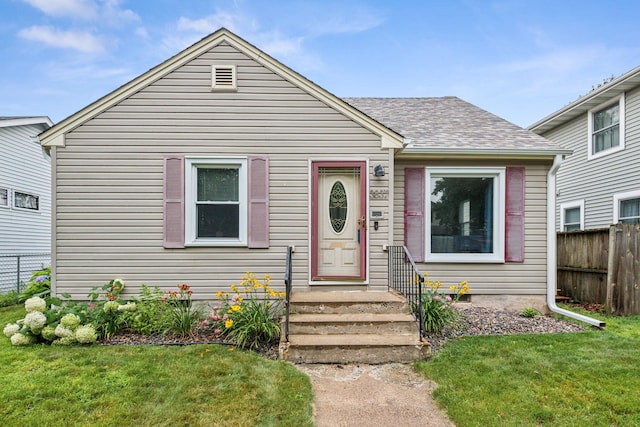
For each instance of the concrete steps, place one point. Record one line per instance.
(351, 327)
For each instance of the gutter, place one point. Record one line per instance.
(552, 248)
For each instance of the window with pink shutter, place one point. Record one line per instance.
(224, 201)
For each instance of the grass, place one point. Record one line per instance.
(199, 385)
(589, 378)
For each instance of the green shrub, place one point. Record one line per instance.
(182, 314)
(249, 315)
(529, 312)
(39, 285)
(438, 308)
(152, 313)
(8, 299)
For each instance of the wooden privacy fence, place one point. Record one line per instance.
(601, 266)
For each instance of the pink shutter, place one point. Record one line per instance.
(414, 212)
(173, 202)
(258, 218)
(514, 215)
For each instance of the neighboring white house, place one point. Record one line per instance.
(599, 184)
(25, 197)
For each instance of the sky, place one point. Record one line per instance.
(519, 59)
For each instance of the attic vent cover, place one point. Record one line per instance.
(223, 77)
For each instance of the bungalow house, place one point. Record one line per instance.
(598, 184)
(25, 199)
(217, 160)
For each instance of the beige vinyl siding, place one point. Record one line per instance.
(24, 167)
(597, 180)
(526, 278)
(109, 178)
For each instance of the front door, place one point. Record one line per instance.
(339, 222)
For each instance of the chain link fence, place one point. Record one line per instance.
(16, 270)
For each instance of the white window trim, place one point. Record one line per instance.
(8, 205)
(620, 100)
(190, 188)
(617, 198)
(572, 205)
(29, 193)
(499, 200)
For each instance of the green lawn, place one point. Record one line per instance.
(200, 385)
(590, 378)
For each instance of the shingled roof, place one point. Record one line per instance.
(451, 125)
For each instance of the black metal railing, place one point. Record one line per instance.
(287, 284)
(405, 278)
(16, 269)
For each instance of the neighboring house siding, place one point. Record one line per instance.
(109, 178)
(515, 278)
(25, 167)
(596, 181)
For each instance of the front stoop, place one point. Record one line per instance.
(351, 327)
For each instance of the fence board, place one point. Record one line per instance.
(582, 265)
(601, 266)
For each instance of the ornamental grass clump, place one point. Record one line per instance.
(438, 308)
(248, 316)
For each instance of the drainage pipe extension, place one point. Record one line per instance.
(551, 250)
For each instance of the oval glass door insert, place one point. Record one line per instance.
(338, 206)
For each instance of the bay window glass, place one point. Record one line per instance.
(466, 214)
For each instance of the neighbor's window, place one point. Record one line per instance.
(572, 216)
(216, 201)
(626, 207)
(465, 214)
(606, 128)
(26, 201)
(4, 197)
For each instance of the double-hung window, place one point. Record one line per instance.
(465, 214)
(572, 216)
(216, 201)
(606, 128)
(626, 207)
(26, 201)
(4, 197)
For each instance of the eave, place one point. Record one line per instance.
(582, 105)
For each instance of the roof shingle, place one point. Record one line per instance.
(450, 124)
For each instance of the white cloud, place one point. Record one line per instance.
(142, 33)
(84, 9)
(108, 11)
(81, 41)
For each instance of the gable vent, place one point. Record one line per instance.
(223, 77)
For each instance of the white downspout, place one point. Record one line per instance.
(551, 250)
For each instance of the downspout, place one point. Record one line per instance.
(552, 248)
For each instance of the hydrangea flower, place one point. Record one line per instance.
(110, 306)
(20, 339)
(70, 321)
(11, 329)
(35, 304)
(48, 333)
(62, 332)
(130, 306)
(86, 334)
(35, 320)
(41, 278)
(65, 341)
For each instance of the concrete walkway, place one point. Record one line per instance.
(373, 395)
